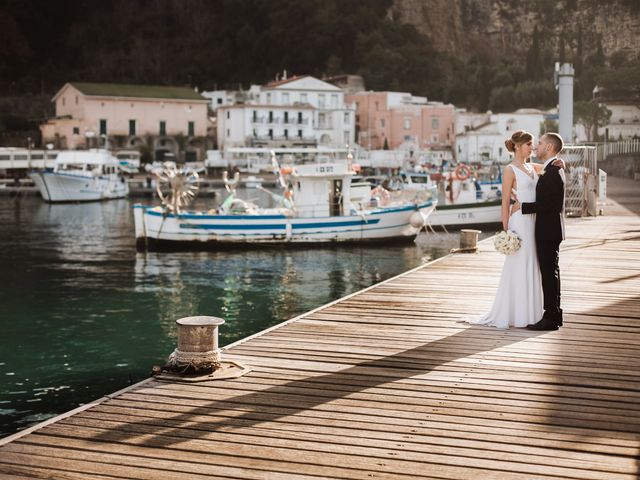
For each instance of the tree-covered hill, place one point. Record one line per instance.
(479, 54)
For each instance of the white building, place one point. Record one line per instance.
(624, 123)
(481, 137)
(298, 111)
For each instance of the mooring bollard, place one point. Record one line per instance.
(469, 240)
(197, 344)
(198, 357)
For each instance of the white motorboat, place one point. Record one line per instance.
(81, 176)
(318, 205)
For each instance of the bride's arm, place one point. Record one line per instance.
(508, 177)
(537, 167)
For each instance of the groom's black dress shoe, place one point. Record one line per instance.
(545, 324)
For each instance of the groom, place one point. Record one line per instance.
(548, 207)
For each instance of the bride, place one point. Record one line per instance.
(518, 301)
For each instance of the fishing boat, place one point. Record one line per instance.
(315, 204)
(464, 200)
(81, 176)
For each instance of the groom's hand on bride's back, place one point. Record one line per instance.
(558, 162)
(515, 207)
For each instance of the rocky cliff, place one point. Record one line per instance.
(506, 27)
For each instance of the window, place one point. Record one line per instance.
(285, 98)
(219, 100)
(334, 100)
(346, 117)
(268, 98)
(228, 132)
(346, 137)
(103, 126)
(228, 114)
(286, 117)
(255, 116)
(270, 117)
(163, 127)
(435, 138)
(271, 133)
(299, 133)
(407, 123)
(191, 128)
(286, 133)
(321, 100)
(76, 130)
(299, 117)
(303, 97)
(382, 123)
(132, 127)
(321, 120)
(435, 123)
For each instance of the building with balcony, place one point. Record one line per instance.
(292, 112)
(401, 121)
(480, 137)
(162, 119)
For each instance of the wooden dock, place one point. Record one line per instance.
(384, 384)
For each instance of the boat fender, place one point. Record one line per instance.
(417, 220)
(462, 171)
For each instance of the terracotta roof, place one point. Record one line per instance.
(286, 80)
(136, 91)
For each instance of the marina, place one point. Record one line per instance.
(265, 240)
(384, 383)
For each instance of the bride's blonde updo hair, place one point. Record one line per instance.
(519, 137)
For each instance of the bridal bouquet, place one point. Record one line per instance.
(507, 243)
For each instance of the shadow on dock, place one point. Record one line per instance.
(268, 405)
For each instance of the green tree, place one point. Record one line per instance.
(591, 116)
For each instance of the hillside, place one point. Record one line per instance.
(479, 54)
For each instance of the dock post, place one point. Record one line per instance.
(198, 356)
(197, 344)
(469, 240)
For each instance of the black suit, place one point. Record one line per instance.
(549, 207)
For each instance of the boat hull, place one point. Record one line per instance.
(465, 215)
(155, 229)
(62, 187)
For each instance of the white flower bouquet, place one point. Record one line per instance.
(507, 242)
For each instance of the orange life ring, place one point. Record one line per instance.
(462, 171)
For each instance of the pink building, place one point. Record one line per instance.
(129, 116)
(405, 122)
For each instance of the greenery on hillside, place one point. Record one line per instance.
(234, 43)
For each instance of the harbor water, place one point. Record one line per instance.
(83, 315)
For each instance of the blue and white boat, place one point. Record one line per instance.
(81, 176)
(319, 204)
(463, 200)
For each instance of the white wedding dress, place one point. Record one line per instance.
(519, 300)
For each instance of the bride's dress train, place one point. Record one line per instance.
(518, 301)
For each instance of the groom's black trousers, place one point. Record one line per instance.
(550, 270)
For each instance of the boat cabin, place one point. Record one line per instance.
(322, 190)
